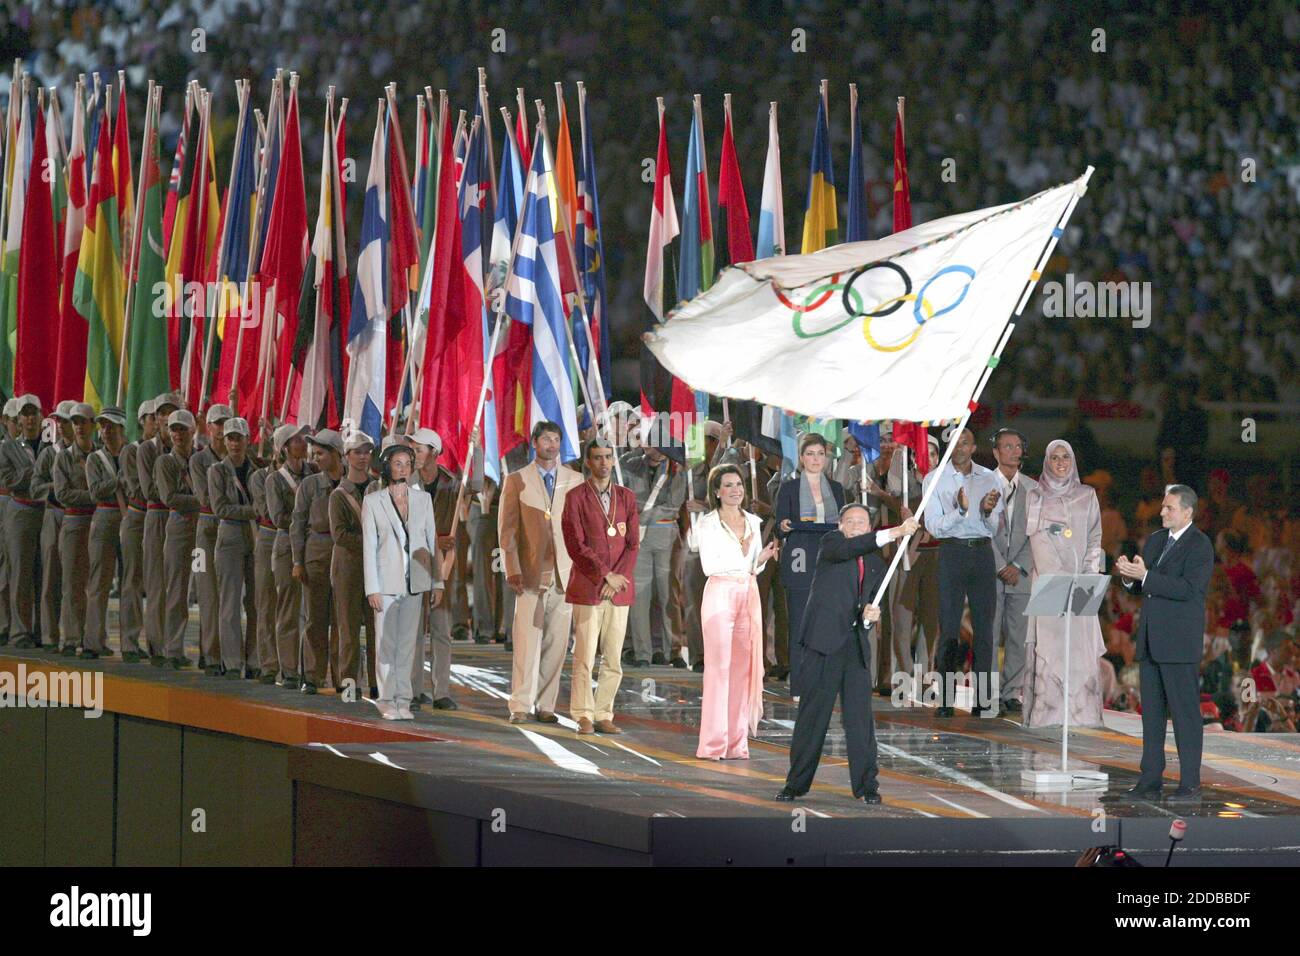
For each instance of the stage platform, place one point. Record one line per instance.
(187, 769)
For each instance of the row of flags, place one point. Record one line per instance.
(672, 280)
(477, 302)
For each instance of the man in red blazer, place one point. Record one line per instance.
(602, 535)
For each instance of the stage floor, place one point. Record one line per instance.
(960, 768)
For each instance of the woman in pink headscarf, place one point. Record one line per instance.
(1060, 498)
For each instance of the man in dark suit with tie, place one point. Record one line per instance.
(837, 661)
(1171, 576)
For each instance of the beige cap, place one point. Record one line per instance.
(429, 437)
(112, 413)
(174, 399)
(327, 438)
(11, 408)
(216, 414)
(28, 399)
(82, 410)
(357, 439)
(146, 408)
(284, 434)
(64, 409)
(234, 425)
(182, 416)
(712, 429)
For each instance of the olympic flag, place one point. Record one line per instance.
(894, 328)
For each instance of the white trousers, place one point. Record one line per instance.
(398, 625)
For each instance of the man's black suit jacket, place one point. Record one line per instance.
(1171, 628)
(835, 602)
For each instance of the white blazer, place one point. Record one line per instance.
(396, 561)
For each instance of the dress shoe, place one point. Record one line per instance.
(374, 692)
(546, 717)
(88, 655)
(460, 633)
(232, 674)
(1185, 795)
(179, 663)
(944, 712)
(585, 726)
(499, 639)
(24, 642)
(387, 711)
(1141, 792)
(308, 688)
(288, 680)
(521, 719)
(698, 667)
(422, 699)
(404, 713)
(871, 796)
(212, 670)
(416, 705)
(1012, 706)
(607, 727)
(4, 638)
(788, 796)
(628, 660)
(130, 657)
(252, 673)
(678, 662)
(482, 638)
(267, 679)
(641, 664)
(658, 658)
(69, 650)
(445, 703)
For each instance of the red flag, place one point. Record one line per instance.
(343, 312)
(731, 198)
(285, 262)
(70, 374)
(403, 257)
(916, 437)
(447, 309)
(902, 189)
(122, 176)
(38, 285)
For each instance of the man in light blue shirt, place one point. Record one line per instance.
(963, 513)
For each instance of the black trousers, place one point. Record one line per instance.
(1170, 690)
(967, 572)
(796, 599)
(843, 674)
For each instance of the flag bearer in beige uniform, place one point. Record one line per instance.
(313, 547)
(51, 528)
(104, 480)
(267, 655)
(351, 609)
(8, 431)
(171, 474)
(281, 487)
(154, 534)
(205, 538)
(130, 605)
(232, 502)
(26, 514)
(69, 484)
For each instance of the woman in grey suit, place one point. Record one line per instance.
(398, 544)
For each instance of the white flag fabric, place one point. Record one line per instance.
(894, 328)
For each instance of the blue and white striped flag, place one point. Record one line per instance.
(368, 329)
(533, 297)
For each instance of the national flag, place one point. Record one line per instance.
(100, 283)
(197, 252)
(124, 184)
(443, 296)
(731, 198)
(317, 352)
(469, 343)
(20, 158)
(856, 228)
(368, 325)
(285, 262)
(426, 177)
(590, 250)
(231, 308)
(534, 299)
(916, 436)
(37, 298)
(929, 308)
(57, 152)
(902, 186)
(522, 139)
(146, 347)
(820, 219)
(70, 360)
(696, 276)
(512, 360)
(403, 256)
(771, 214)
(867, 435)
(174, 191)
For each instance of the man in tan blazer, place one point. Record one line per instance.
(537, 571)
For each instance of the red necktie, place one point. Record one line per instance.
(862, 571)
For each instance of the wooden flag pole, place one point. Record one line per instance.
(487, 132)
(152, 99)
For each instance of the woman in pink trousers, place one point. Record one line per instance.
(728, 540)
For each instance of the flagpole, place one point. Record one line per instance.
(288, 378)
(1080, 187)
(603, 423)
(242, 91)
(418, 375)
(151, 106)
(487, 132)
(499, 312)
(201, 158)
(268, 365)
(255, 248)
(11, 121)
(255, 266)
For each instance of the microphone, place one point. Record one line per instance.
(1055, 528)
(1177, 830)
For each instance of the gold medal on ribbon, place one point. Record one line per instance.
(610, 531)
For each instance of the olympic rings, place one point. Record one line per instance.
(907, 287)
(964, 270)
(808, 306)
(830, 287)
(898, 347)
